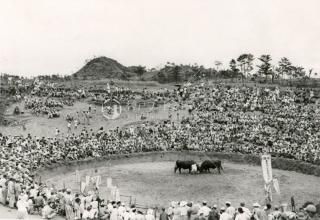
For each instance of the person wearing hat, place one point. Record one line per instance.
(205, 209)
(241, 215)
(224, 215)
(245, 209)
(114, 212)
(214, 214)
(230, 209)
(68, 201)
(132, 213)
(76, 208)
(312, 212)
(257, 213)
(121, 209)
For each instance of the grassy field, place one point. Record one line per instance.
(41, 126)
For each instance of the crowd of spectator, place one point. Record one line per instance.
(246, 120)
(40, 106)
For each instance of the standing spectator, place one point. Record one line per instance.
(245, 209)
(69, 127)
(318, 208)
(75, 124)
(241, 215)
(11, 193)
(149, 215)
(205, 209)
(214, 214)
(230, 209)
(293, 204)
(268, 212)
(68, 205)
(257, 213)
(22, 209)
(57, 132)
(163, 214)
(224, 215)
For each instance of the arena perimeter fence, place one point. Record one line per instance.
(277, 162)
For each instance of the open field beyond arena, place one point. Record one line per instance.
(155, 183)
(41, 126)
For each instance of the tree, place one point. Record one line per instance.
(140, 70)
(246, 63)
(176, 73)
(310, 73)
(299, 72)
(265, 68)
(233, 66)
(217, 63)
(284, 67)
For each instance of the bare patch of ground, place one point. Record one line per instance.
(155, 183)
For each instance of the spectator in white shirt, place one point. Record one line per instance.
(230, 210)
(204, 209)
(224, 215)
(245, 209)
(242, 215)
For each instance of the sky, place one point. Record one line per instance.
(57, 36)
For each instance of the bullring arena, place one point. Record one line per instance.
(150, 180)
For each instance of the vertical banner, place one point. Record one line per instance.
(117, 195)
(87, 180)
(83, 186)
(266, 168)
(276, 186)
(109, 182)
(267, 175)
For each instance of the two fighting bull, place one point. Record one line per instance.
(193, 167)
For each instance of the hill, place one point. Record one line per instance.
(103, 67)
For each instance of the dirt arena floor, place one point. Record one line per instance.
(155, 183)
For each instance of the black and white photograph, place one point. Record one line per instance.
(160, 109)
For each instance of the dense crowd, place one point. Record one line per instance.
(41, 106)
(250, 119)
(246, 120)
